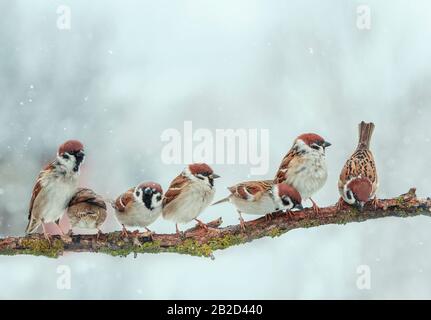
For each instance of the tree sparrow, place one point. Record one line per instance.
(55, 186)
(139, 206)
(304, 166)
(189, 194)
(358, 181)
(86, 210)
(262, 197)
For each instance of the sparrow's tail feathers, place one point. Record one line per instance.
(32, 226)
(221, 201)
(365, 133)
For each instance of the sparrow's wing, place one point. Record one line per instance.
(38, 187)
(290, 160)
(361, 163)
(87, 196)
(33, 219)
(251, 190)
(123, 200)
(174, 190)
(36, 190)
(82, 210)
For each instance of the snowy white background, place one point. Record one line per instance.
(128, 70)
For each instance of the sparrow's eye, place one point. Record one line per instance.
(349, 195)
(66, 156)
(200, 176)
(315, 147)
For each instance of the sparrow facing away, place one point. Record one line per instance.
(189, 194)
(358, 181)
(304, 166)
(86, 210)
(55, 186)
(139, 206)
(262, 197)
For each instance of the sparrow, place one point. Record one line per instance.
(139, 206)
(358, 181)
(87, 210)
(304, 166)
(262, 197)
(55, 186)
(189, 194)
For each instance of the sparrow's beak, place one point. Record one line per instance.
(215, 176)
(299, 206)
(326, 144)
(80, 156)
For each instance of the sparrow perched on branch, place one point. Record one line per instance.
(139, 206)
(262, 197)
(55, 186)
(86, 210)
(189, 194)
(358, 181)
(304, 166)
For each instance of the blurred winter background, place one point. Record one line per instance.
(128, 70)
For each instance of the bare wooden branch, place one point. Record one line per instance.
(200, 242)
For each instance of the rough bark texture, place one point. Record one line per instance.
(200, 242)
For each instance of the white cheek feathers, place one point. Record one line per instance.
(155, 202)
(348, 196)
(137, 194)
(67, 161)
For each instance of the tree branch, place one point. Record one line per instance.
(200, 242)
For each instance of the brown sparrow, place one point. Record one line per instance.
(86, 210)
(189, 194)
(358, 180)
(262, 197)
(55, 186)
(139, 206)
(304, 166)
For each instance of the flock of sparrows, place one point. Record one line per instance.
(302, 173)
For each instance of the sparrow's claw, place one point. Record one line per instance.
(241, 221)
(268, 217)
(375, 203)
(242, 224)
(201, 224)
(316, 208)
(290, 215)
(124, 232)
(99, 233)
(47, 237)
(180, 234)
